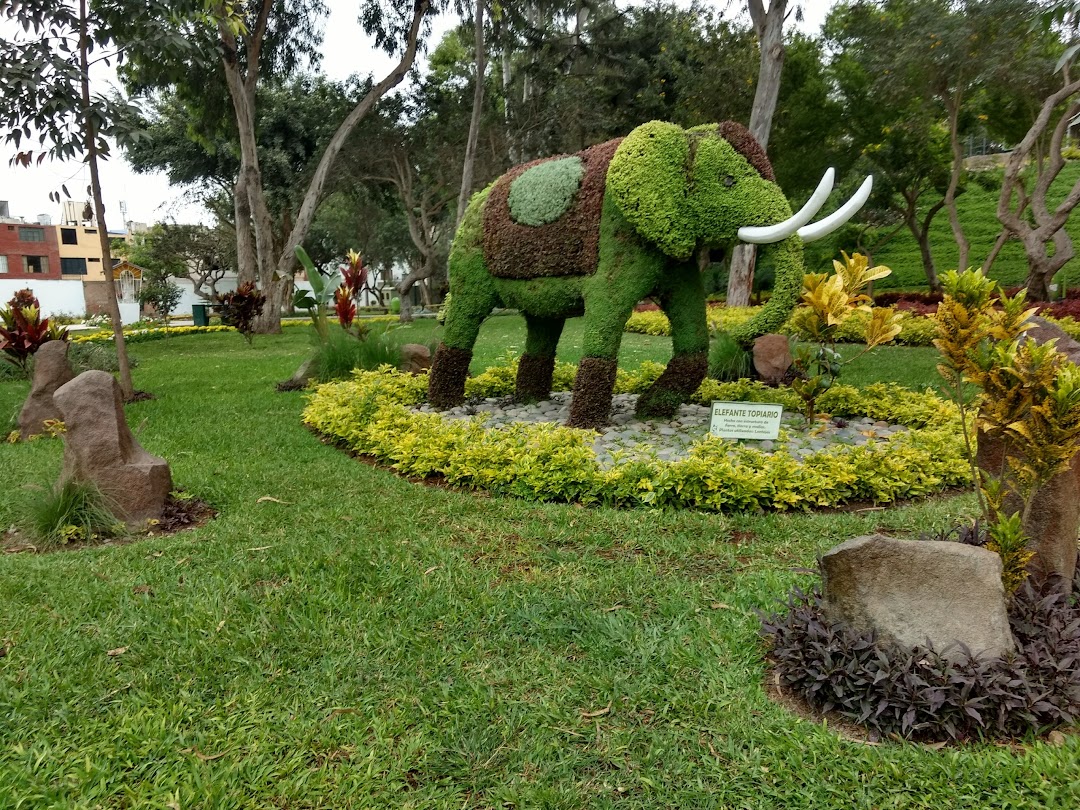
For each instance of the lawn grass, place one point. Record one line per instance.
(369, 642)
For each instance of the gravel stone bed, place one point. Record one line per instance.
(628, 438)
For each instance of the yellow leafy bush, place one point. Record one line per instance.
(371, 415)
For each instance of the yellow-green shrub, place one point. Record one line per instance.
(144, 335)
(371, 415)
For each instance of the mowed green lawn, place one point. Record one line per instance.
(365, 642)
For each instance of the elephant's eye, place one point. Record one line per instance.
(729, 181)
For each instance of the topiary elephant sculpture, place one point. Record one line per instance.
(593, 233)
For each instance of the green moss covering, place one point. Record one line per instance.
(470, 282)
(544, 192)
(610, 226)
(648, 180)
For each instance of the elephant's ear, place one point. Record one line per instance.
(647, 179)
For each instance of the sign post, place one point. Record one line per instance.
(746, 420)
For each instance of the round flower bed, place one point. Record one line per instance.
(375, 414)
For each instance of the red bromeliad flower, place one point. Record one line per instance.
(355, 274)
(23, 331)
(344, 306)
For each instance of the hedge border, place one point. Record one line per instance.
(372, 415)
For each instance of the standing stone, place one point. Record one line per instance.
(415, 358)
(1053, 523)
(51, 370)
(772, 358)
(916, 591)
(99, 447)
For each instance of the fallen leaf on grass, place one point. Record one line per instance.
(720, 606)
(935, 746)
(597, 713)
(430, 570)
(117, 651)
(220, 625)
(258, 548)
(142, 589)
(342, 710)
(268, 499)
(614, 607)
(1056, 739)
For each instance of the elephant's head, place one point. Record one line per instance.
(710, 186)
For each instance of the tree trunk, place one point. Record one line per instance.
(243, 101)
(246, 267)
(991, 257)
(952, 106)
(769, 27)
(1047, 244)
(474, 121)
(1038, 282)
(313, 197)
(127, 387)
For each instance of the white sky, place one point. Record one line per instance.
(150, 198)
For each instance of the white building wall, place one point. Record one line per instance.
(227, 284)
(57, 297)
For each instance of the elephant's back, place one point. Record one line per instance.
(543, 218)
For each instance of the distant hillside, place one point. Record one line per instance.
(977, 208)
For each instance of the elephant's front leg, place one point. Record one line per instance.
(682, 297)
(537, 365)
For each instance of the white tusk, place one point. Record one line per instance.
(841, 215)
(768, 234)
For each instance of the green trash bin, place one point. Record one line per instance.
(200, 314)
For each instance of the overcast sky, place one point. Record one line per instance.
(150, 198)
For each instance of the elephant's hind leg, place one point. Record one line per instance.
(538, 363)
(683, 301)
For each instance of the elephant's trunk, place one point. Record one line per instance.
(787, 290)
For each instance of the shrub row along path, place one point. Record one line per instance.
(629, 438)
(362, 641)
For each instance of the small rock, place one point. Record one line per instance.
(415, 358)
(772, 358)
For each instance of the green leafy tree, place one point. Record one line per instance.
(162, 294)
(47, 109)
(241, 35)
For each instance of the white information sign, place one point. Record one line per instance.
(746, 420)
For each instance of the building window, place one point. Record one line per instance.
(69, 236)
(32, 234)
(92, 259)
(90, 231)
(3, 264)
(73, 267)
(36, 264)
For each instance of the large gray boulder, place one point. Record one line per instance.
(920, 592)
(99, 447)
(51, 370)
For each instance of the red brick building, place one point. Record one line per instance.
(28, 251)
